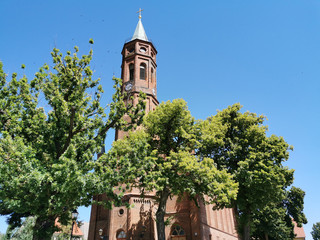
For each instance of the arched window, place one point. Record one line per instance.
(152, 75)
(121, 235)
(143, 72)
(178, 233)
(131, 72)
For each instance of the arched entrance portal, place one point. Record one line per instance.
(178, 233)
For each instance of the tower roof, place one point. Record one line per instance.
(139, 33)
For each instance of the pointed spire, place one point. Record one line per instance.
(139, 33)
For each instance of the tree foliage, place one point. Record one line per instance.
(160, 157)
(2, 236)
(316, 231)
(23, 232)
(47, 153)
(275, 219)
(239, 143)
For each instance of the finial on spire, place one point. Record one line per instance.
(140, 10)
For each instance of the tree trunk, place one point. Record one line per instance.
(247, 226)
(43, 229)
(246, 231)
(160, 214)
(266, 236)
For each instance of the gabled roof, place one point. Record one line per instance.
(299, 231)
(76, 231)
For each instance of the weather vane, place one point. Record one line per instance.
(140, 10)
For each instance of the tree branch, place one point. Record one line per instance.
(71, 134)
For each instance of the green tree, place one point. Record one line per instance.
(274, 221)
(23, 232)
(316, 231)
(2, 236)
(160, 157)
(47, 154)
(239, 143)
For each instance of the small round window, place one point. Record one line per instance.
(121, 212)
(143, 49)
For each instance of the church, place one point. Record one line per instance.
(187, 221)
(139, 68)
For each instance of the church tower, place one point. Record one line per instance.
(187, 221)
(138, 72)
(138, 68)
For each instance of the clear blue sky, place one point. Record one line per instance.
(263, 54)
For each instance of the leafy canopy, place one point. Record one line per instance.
(25, 232)
(275, 219)
(239, 143)
(316, 231)
(160, 157)
(47, 153)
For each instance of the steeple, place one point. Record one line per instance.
(139, 33)
(139, 68)
(139, 74)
